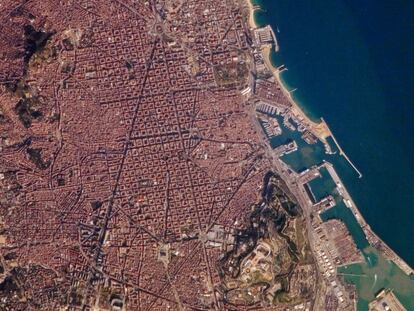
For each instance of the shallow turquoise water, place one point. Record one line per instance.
(352, 62)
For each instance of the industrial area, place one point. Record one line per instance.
(137, 170)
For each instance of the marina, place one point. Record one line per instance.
(330, 198)
(366, 108)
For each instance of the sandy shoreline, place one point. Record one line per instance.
(319, 129)
(322, 131)
(252, 22)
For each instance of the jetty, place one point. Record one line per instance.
(341, 152)
(371, 236)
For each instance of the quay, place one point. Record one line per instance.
(371, 236)
(322, 245)
(281, 68)
(309, 174)
(343, 192)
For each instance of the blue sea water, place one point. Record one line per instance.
(353, 64)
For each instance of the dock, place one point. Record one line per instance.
(266, 35)
(269, 109)
(370, 235)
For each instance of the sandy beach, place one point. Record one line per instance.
(252, 22)
(319, 129)
(322, 131)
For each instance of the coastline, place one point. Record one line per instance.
(252, 21)
(319, 129)
(371, 236)
(322, 131)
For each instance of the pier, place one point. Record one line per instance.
(269, 109)
(372, 238)
(341, 152)
(274, 40)
(343, 192)
(285, 149)
(281, 68)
